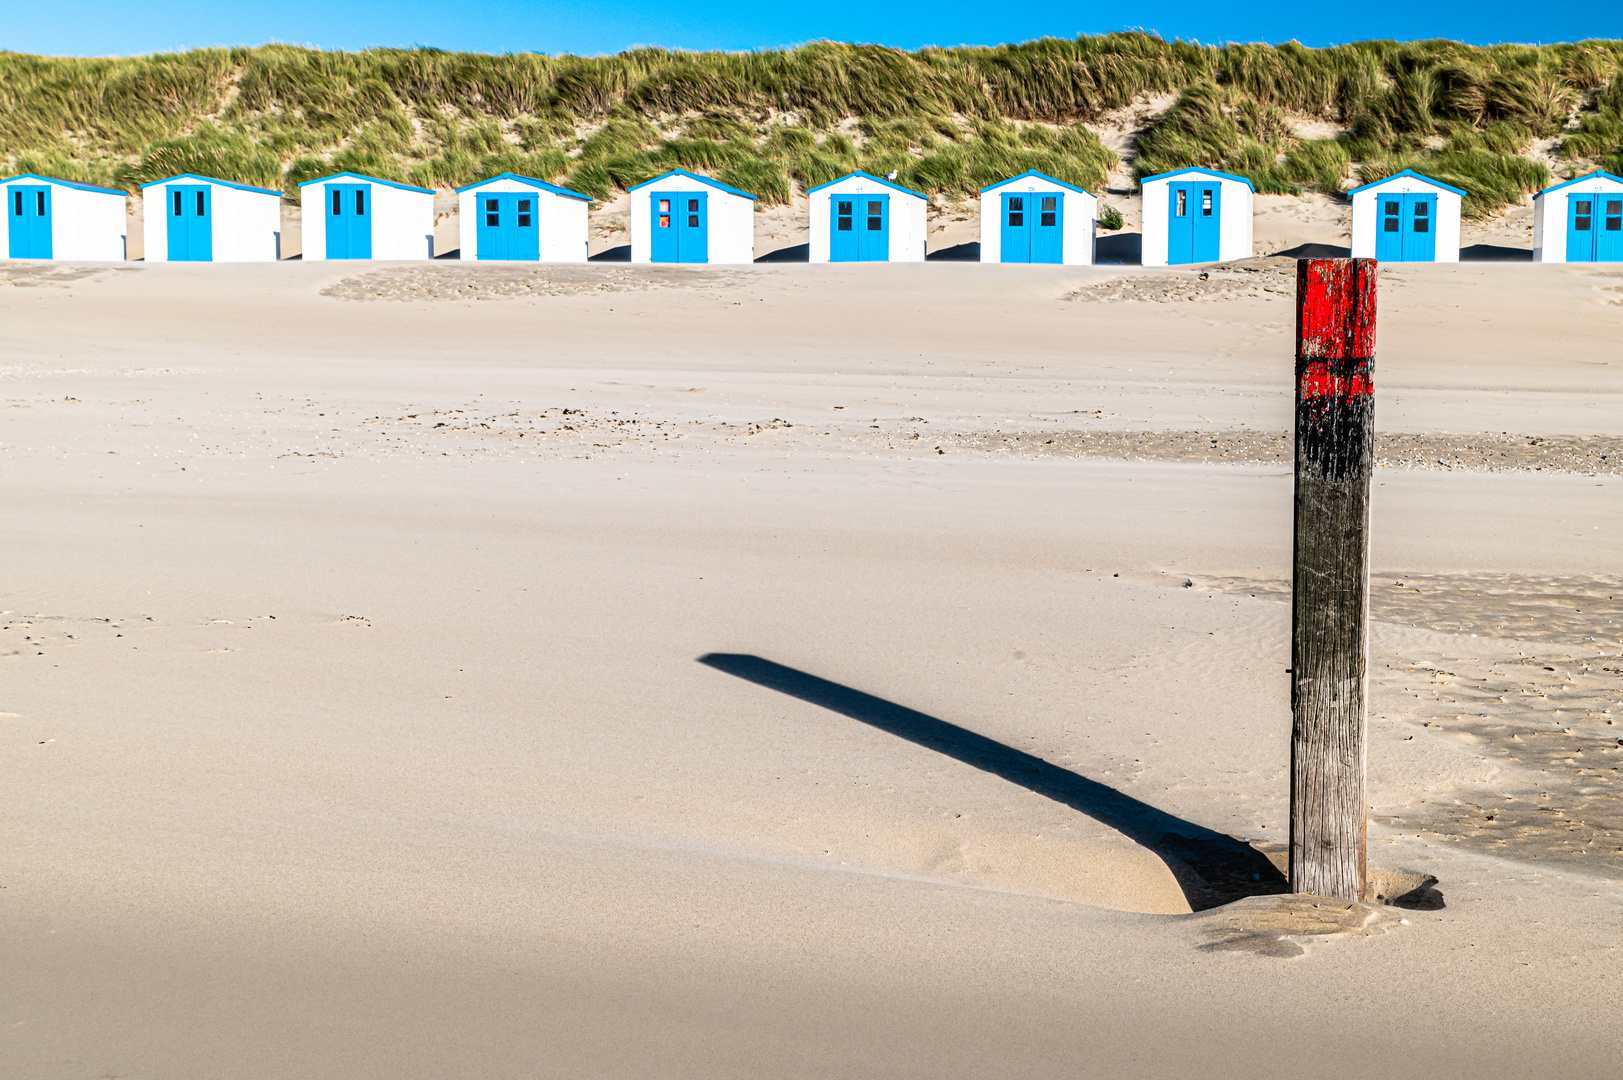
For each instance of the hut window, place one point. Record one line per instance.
(1393, 209)
(1050, 207)
(1205, 204)
(360, 203)
(664, 206)
(1422, 217)
(39, 203)
(876, 218)
(1017, 215)
(200, 207)
(493, 216)
(179, 209)
(693, 213)
(1614, 215)
(1183, 202)
(337, 202)
(1581, 215)
(842, 216)
(18, 200)
(664, 221)
(524, 213)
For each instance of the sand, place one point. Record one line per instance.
(502, 671)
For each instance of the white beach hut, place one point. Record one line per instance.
(1033, 218)
(519, 217)
(1196, 215)
(1580, 220)
(1406, 218)
(47, 218)
(682, 217)
(864, 218)
(190, 218)
(350, 216)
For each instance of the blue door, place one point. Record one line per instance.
(507, 226)
(1595, 227)
(1389, 228)
(1194, 222)
(1032, 224)
(1046, 241)
(860, 228)
(1609, 228)
(493, 227)
(349, 221)
(1016, 237)
(680, 226)
(191, 222)
(28, 222)
(1406, 228)
(875, 230)
(1420, 235)
(844, 238)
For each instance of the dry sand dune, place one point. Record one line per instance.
(502, 671)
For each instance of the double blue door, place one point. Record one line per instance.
(680, 226)
(1194, 223)
(507, 228)
(1595, 227)
(1032, 224)
(860, 228)
(28, 221)
(191, 222)
(349, 221)
(1406, 228)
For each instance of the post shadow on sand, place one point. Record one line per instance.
(1316, 251)
(1211, 868)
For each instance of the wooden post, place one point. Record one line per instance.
(1335, 367)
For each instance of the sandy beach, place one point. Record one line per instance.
(607, 671)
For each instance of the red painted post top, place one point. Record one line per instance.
(1335, 309)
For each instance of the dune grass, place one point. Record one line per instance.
(947, 121)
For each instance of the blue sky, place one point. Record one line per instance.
(103, 28)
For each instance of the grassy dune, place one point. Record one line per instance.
(1490, 120)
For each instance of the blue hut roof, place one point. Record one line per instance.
(1579, 179)
(1413, 175)
(369, 180)
(532, 181)
(211, 180)
(64, 183)
(1203, 172)
(876, 179)
(1040, 176)
(711, 181)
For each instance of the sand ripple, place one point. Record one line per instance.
(1538, 696)
(509, 281)
(1268, 278)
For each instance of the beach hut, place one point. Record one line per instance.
(350, 216)
(1033, 218)
(47, 218)
(1406, 218)
(863, 218)
(1580, 220)
(1196, 215)
(682, 217)
(191, 218)
(519, 217)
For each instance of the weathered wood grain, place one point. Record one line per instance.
(1335, 360)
